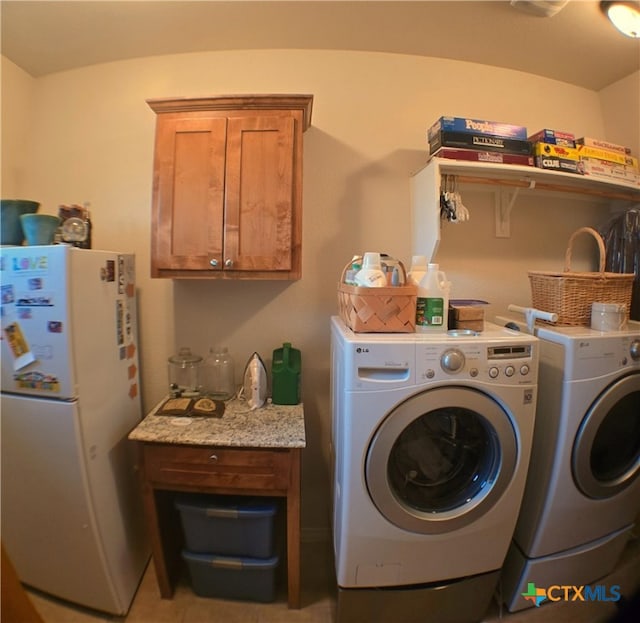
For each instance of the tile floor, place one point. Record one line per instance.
(318, 600)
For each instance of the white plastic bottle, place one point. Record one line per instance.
(432, 306)
(417, 270)
(371, 274)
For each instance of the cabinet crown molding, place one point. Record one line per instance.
(236, 102)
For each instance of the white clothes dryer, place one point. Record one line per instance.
(431, 437)
(583, 489)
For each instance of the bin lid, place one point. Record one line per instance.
(229, 562)
(227, 505)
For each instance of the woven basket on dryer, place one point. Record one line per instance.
(378, 310)
(570, 294)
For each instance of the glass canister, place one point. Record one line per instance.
(608, 316)
(219, 374)
(184, 372)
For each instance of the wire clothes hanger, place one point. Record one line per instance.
(452, 208)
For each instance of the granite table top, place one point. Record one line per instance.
(271, 426)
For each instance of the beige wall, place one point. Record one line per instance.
(15, 117)
(87, 135)
(621, 111)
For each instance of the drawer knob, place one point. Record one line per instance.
(214, 457)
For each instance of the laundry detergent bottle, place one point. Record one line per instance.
(371, 274)
(432, 305)
(285, 375)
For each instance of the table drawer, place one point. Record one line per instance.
(232, 468)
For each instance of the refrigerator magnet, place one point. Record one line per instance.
(22, 354)
(8, 295)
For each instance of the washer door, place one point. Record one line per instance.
(441, 459)
(606, 451)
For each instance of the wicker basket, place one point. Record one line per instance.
(570, 294)
(378, 310)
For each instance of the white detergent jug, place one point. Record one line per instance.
(417, 270)
(432, 305)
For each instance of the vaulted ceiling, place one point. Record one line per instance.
(578, 45)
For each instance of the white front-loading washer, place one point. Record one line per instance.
(583, 490)
(431, 437)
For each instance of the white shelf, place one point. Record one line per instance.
(532, 177)
(509, 180)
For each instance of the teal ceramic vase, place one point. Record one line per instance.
(12, 209)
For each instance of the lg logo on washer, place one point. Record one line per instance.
(599, 592)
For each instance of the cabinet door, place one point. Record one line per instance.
(259, 203)
(188, 194)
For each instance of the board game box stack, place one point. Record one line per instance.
(555, 150)
(561, 151)
(602, 159)
(459, 138)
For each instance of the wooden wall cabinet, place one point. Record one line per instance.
(227, 187)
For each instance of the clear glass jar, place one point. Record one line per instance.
(184, 372)
(219, 374)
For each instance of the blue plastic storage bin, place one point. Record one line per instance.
(228, 525)
(251, 579)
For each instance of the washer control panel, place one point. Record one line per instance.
(634, 350)
(452, 360)
(509, 352)
(511, 364)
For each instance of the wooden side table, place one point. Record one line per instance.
(199, 461)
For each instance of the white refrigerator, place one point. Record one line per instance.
(72, 516)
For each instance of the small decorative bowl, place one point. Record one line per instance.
(39, 228)
(12, 209)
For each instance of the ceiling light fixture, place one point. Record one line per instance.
(625, 16)
(540, 8)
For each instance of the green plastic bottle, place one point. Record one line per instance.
(285, 375)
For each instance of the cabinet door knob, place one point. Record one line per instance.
(213, 262)
(214, 457)
(228, 263)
